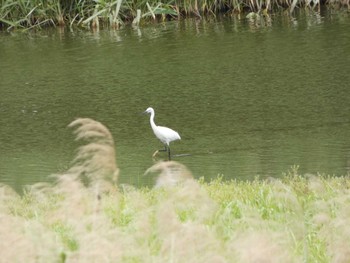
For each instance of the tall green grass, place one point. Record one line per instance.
(114, 13)
(297, 218)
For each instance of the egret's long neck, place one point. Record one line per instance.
(151, 120)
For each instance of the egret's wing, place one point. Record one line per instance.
(166, 134)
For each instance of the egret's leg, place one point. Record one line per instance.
(169, 158)
(164, 150)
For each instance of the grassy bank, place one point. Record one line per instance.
(293, 219)
(93, 13)
(86, 217)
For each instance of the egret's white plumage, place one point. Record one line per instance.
(164, 134)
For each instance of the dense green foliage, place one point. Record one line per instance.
(93, 13)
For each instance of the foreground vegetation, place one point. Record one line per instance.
(94, 13)
(86, 217)
(293, 219)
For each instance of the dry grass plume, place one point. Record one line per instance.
(95, 162)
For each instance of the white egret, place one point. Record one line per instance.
(164, 134)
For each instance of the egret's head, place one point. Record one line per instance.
(149, 110)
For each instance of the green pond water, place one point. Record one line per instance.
(247, 99)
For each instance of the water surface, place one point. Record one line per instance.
(247, 99)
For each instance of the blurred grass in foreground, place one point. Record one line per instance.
(86, 217)
(294, 219)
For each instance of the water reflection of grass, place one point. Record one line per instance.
(86, 217)
(294, 219)
(30, 14)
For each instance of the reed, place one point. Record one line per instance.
(170, 173)
(95, 162)
(26, 14)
